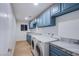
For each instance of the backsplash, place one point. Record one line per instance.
(68, 25)
(70, 40)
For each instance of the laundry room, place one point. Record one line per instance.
(65, 29)
(39, 29)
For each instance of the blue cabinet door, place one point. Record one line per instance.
(53, 21)
(40, 21)
(47, 19)
(30, 25)
(66, 6)
(56, 51)
(55, 9)
(44, 19)
(37, 22)
(34, 23)
(69, 7)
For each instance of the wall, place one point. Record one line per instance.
(46, 30)
(66, 26)
(21, 35)
(7, 29)
(12, 29)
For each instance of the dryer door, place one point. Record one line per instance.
(32, 44)
(39, 50)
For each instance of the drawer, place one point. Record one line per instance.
(52, 54)
(58, 51)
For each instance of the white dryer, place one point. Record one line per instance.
(33, 44)
(42, 46)
(42, 49)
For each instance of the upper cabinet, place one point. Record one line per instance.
(66, 6)
(55, 9)
(69, 7)
(45, 19)
(32, 24)
(63, 8)
(40, 23)
(37, 21)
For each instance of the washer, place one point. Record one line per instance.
(33, 44)
(42, 46)
(42, 49)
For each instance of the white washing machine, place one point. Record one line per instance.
(42, 46)
(33, 44)
(42, 49)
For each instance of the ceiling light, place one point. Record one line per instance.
(26, 18)
(35, 3)
(3, 15)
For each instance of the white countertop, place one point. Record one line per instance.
(43, 38)
(69, 46)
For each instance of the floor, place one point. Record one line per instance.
(22, 48)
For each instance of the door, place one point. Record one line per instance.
(55, 9)
(69, 7)
(66, 6)
(47, 18)
(39, 51)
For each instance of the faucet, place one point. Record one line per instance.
(51, 35)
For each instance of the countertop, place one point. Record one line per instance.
(44, 39)
(66, 45)
(69, 46)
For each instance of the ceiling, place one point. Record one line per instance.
(22, 10)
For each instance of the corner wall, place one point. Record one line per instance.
(68, 25)
(20, 35)
(7, 30)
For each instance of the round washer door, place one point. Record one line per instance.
(38, 50)
(32, 44)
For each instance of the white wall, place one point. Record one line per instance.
(66, 26)
(12, 29)
(46, 30)
(7, 29)
(20, 35)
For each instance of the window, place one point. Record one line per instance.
(23, 27)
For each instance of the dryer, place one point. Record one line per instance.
(42, 45)
(33, 45)
(42, 49)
